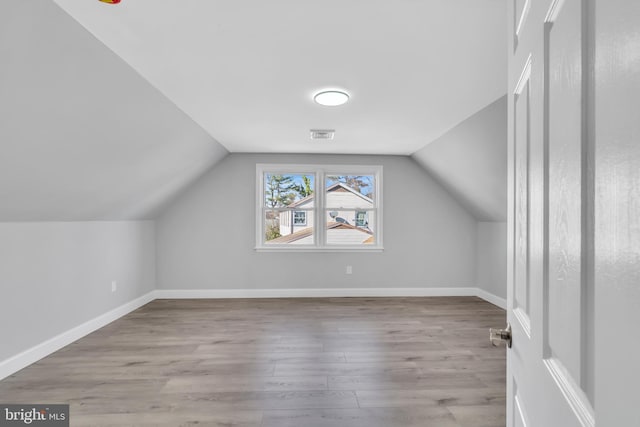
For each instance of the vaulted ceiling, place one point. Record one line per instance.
(246, 70)
(82, 136)
(114, 122)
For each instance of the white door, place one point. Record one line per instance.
(574, 213)
(617, 212)
(550, 368)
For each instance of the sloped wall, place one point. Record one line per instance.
(470, 161)
(82, 135)
(206, 238)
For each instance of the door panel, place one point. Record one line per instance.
(565, 282)
(616, 120)
(522, 138)
(520, 12)
(549, 365)
(520, 419)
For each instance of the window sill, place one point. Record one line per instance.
(317, 249)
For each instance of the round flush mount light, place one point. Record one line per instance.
(331, 98)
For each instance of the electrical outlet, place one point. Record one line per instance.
(349, 269)
(114, 286)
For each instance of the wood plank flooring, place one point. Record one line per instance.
(321, 362)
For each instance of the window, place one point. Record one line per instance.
(299, 218)
(319, 208)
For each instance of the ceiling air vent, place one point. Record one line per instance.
(322, 133)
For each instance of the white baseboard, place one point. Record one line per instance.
(313, 293)
(493, 299)
(330, 293)
(32, 355)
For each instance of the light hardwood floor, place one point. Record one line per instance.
(317, 362)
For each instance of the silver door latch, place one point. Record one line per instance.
(499, 336)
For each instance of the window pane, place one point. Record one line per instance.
(283, 227)
(288, 190)
(350, 227)
(352, 191)
(299, 218)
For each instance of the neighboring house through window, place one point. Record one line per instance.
(312, 207)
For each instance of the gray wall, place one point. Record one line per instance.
(492, 258)
(470, 161)
(56, 275)
(206, 238)
(82, 135)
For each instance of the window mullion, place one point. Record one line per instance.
(319, 206)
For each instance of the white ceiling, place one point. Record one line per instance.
(246, 70)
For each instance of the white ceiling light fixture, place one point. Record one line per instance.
(331, 98)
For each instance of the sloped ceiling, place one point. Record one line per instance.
(246, 70)
(82, 135)
(90, 131)
(470, 161)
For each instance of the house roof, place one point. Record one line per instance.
(306, 232)
(334, 187)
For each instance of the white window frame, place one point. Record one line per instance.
(320, 173)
